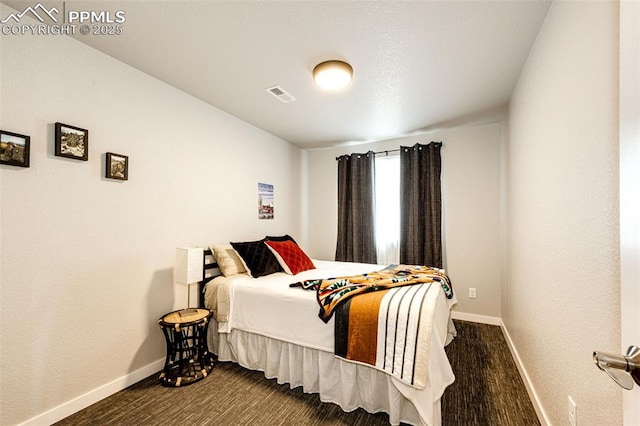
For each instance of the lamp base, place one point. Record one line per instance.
(188, 312)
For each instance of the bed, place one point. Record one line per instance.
(266, 324)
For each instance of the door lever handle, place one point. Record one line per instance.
(623, 369)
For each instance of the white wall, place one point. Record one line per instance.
(87, 262)
(471, 208)
(563, 286)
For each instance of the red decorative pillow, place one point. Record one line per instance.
(290, 256)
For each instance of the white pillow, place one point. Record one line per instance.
(228, 260)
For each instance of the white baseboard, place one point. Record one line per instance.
(482, 319)
(83, 401)
(533, 396)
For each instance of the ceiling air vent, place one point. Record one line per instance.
(281, 94)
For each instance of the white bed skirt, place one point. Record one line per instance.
(347, 384)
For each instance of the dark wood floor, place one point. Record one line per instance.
(488, 391)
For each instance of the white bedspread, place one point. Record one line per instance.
(268, 307)
(271, 308)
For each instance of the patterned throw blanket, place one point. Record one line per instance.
(388, 325)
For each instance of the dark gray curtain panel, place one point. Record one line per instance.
(420, 205)
(356, 209)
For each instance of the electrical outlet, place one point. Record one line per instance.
(472, 293)
(573, 413)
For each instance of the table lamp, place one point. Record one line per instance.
(188, 270)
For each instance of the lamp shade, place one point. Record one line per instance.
(332, 75)
(189, 265)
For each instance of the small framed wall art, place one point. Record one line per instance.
(14, 149)
(265, 201)
(72, 142)
(117, 166)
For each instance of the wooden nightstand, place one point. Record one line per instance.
(188, 357)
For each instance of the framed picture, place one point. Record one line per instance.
(117, 166)
(265, 201)
(72, 142)
(14, 149)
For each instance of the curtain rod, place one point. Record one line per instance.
(386, 152)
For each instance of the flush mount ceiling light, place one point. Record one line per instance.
(332, 75)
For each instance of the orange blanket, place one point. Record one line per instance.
(388, 326)
(334, 291)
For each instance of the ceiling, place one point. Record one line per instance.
(417, 64)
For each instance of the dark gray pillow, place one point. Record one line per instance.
(259, 260)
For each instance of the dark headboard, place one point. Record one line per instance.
(209, 271)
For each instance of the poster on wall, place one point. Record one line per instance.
(265, 201)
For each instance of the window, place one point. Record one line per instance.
(373, 227)
(387, 209)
